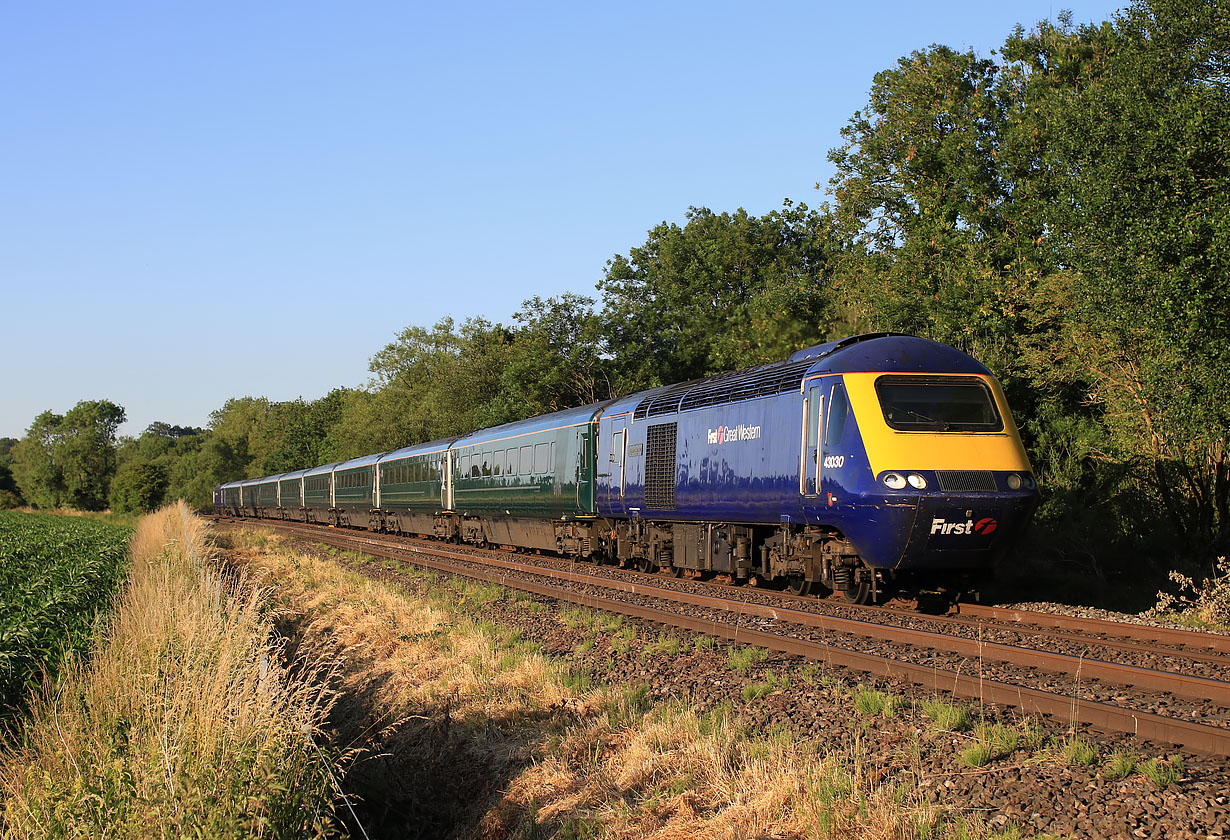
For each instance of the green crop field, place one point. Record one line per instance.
(56, 574)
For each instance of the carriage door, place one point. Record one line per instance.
(616, 464)
(809, 457)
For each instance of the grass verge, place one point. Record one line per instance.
(186, 722)
(470, 731)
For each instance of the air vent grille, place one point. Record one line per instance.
(966, 481)
(762, 381)
(660, 466)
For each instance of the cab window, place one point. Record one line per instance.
(938, 404)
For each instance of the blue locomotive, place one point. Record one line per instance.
(849, 467)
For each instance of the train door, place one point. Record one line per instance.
(809, 456)
(446, 484)
(616, 466)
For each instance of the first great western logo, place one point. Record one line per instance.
(733, 434)
(985, 526)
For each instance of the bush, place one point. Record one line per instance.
(1207, 604)
(139, 487)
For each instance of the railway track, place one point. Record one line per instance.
(1163, 685)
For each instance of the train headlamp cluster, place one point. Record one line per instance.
(897, 481)
(1016, 482)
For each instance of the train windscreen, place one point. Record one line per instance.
(938, 404)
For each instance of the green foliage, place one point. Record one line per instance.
(1061, 213)
(139, 487)
(868, 701)
(69, 460)
(724, 291)
(56, 574)
(977, 754)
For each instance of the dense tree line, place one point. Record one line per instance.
(1059, 209)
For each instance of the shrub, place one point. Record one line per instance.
(1208, 603)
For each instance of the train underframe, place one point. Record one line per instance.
(806, 560)
(803, 561)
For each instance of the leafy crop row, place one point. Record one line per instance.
(56, 575)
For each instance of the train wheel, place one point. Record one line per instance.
(678, 571)
(799, 585)
(646, 565)
(860, 593)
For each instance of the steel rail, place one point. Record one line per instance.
(1176, 684)
(1200, 738)
(1217, 642)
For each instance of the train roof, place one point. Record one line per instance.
(361, 461)
(429, 448)
(542, 423)
(292, 474)
(323, 468)
(270, 478)
(872, 352)
(888, 352)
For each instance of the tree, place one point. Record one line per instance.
(69, 459)
(724, 291)
(558, 357)
(10, 494)
(927, 207)
(1141, 150)
(305, 440)
(1062, 214)
(138, 487)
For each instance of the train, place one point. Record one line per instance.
(871, 465)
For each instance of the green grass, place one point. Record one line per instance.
(758, 690)
(868, 701)
(1120, 765)
(1078, 752)
(57, 574)
(1162, 772)
(947, 717)
(667, 643)
(742, 659)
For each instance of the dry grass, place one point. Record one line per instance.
(559, 760)
(185, 723)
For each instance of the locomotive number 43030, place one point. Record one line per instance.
(834, 462)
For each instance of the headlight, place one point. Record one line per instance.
(916, 481)
(1029, 481)
(894, 481)
(1014, 481)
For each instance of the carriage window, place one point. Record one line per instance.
(938, 404)
(617, 448)
(813, 416)
(513, 460)
(486, 463)
(527, 460)
(542, 456)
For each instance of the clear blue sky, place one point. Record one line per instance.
(188, 188)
